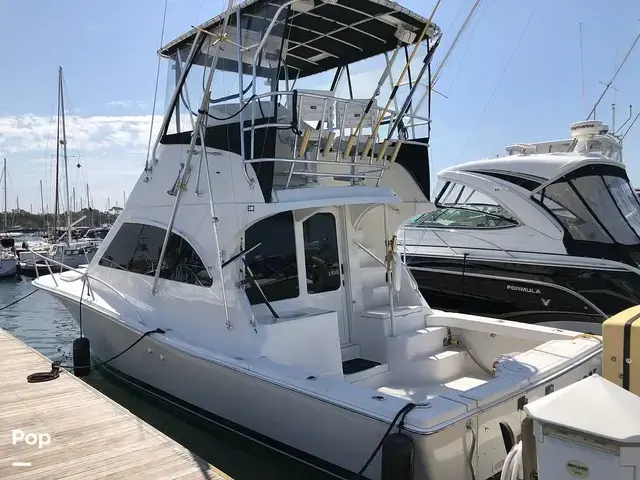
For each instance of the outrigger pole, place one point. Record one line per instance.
(354, 134)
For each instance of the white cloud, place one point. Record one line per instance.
(33, 133)
(110, 149)
(125, 104)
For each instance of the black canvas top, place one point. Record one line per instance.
(326, 36)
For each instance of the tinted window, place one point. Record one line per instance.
(136, 248)
(563, 201)
(321, 253)
(626, 199)
(596, 194)
(273, 263)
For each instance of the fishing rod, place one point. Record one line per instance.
(367, 109)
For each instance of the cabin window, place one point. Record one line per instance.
(626, 199)
(563, 201)
(136, 248)
(273, 262)
(460, 206)
(321, 253)
(609, 205)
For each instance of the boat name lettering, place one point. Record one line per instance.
(524, 289)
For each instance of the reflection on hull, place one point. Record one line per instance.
(528, 293)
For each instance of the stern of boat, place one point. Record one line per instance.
(493, 387)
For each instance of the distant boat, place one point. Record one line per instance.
(67, 252)
(8, 258)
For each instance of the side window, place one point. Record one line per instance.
(273, 263)
(566, 206)
(321, 253)
(136, 248)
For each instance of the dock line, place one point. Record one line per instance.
(18, 300)
(56, 366)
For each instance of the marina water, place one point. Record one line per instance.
(42, 323)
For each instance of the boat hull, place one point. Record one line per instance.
(8, 267)
(572, 298)
(324, 434)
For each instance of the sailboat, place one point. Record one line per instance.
(254, 270)
(8, 259)
(62, 250)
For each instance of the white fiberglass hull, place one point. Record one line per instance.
(8, 267)
(297, 422)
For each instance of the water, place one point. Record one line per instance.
(41, 322)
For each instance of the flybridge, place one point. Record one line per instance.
(269, 57)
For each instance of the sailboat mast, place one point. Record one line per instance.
(41, 199)
(4, 175)
(64, 153)
(89, 207)
(44, 216)
(57, 188)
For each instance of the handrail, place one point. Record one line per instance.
(84, 274)
(371, 254)
(277, 93)
(195, 48)
(498, 247)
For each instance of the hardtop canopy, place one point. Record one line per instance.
(323, 35)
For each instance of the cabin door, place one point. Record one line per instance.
(322, 235)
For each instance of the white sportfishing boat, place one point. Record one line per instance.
(255, 260)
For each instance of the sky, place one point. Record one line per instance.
(514, 77)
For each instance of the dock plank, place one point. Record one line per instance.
(91, 435)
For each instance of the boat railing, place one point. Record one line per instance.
(86, 276)
(475, 237)
(316, 126)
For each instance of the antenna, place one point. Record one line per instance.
(630, 126)
(613, 117)
(626, 121)
(608, 85)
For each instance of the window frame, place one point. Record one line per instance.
(448, 188)
(304, 252)
(601, 171)
(115, 266)
(296, 245)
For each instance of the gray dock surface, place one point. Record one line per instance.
(64, 428)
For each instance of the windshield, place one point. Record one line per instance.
(595, 203)
(460, 206)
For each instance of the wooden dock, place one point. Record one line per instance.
(64, 428)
